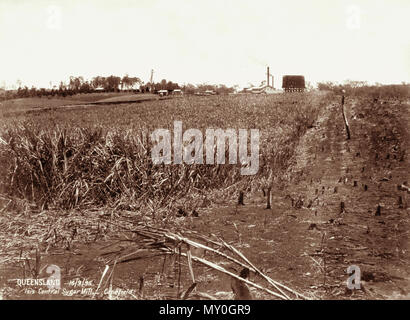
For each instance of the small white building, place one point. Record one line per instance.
(177, 92)
(163, 92)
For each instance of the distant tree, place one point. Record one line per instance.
(75, 83)
(42, 92)
(163, 84)
(128, 82)
(204, 86)
(33, 92)
(98, 82)
(309, 86)
(125, 81)
(3, 91)
(189, 88)
(23, 92)
(172, 86)
(223, 89)
(326, 86)
(354, 84)
(85, 87)
(134, 80)
(112, 83)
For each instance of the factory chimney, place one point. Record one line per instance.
(267, 83)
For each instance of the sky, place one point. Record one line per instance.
(208, 41)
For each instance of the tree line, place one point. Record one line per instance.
(362, 88)
(76, 85)
(218, 89)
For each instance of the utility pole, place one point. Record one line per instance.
(150, 81)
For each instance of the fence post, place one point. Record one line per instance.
(345, 119)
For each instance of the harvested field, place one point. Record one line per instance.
(79, 191)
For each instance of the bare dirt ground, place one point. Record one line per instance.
(363, 173)
(306, 241)
(37, 105)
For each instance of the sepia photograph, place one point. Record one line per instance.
(206, 152)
